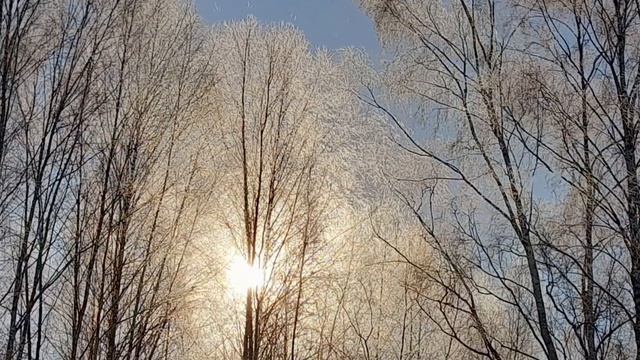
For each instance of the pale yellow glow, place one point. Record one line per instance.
(242, 276)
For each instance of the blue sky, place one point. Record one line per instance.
(333, 24)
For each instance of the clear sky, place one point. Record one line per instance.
(333, 24)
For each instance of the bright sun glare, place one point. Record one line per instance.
(242, 276)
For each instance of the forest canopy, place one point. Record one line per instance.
(176, 190)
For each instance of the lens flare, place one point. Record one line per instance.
(241, 276)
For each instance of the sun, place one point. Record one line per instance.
(241, 276)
